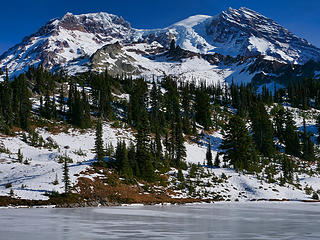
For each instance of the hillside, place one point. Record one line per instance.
(154, 140)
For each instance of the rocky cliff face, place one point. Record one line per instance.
(113, 58)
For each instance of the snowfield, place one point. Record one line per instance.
(32, 180)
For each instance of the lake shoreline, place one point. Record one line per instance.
(9, 202)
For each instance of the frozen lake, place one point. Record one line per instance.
(206, 221)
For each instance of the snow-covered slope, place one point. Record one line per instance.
(71, 40)
(151, 61)
(65, 39)
(33, 179)
(237, 32)
(247, 32)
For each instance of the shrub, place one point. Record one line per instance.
(315, 196)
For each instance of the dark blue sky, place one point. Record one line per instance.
(19, 18)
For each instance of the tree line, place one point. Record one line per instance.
(164, 114)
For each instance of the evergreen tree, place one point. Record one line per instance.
(237, 144)
(262, 129)
(279, 122)
(143, 154)
(126, 168)
(20, 156)
(133, 161)
(180, 176)
(291, 140)
(137, 103)
(66, 178)
(318, 126)
(157, 150)
(6, 101)
(109, 150)
(21, 104)
(180, 148)
(217, 161)
(186, 106)
(98, 146)
(287, 168)
(61, 100)
(122, 161)
(308, 148)
(202, 108)
(86, 116)
(49, 108)
(71, 101)
(156, 115)
(209, 155)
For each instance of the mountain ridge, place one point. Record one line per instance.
(61, 41)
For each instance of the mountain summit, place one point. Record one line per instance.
(234, 32)
(240, 32)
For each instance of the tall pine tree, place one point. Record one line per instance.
(237, 144)
(98, 146)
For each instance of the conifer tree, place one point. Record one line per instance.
(279, 122)
(56, 181)
(186, 106)
(262, 129)
(217, 161)
(126, 168)
(180, 148)
(237, 144)
(98, 146)
(143, 154)
(6, 101)
(137, 103)
(157, 150)
(180, 176)
(85, 111)
(318, 126)
(122, 161)
(49, 108)
(71, 100)
(20, 156)
(133, 161)
(292, 142)
(109, 150)
(21, 104)
(209, 155)
(66, 178)
(308, 148)
(202, 109)
(287, 168)
(61, 100)
(156, 116)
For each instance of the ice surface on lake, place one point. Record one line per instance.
(205, 221)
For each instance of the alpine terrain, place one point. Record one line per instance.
(212, 108)
(242, 45)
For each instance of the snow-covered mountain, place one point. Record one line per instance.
(62, 40)
(78, 43)
(241, 32)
